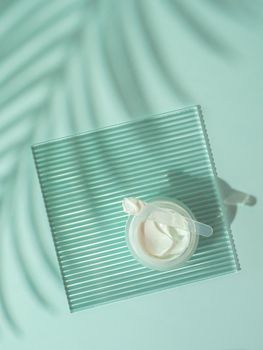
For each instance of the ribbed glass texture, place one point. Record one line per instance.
(84, 179)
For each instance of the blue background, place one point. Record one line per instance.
(65, 68)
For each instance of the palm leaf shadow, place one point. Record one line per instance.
(129, 79)
(143, 106)
(239, 9)
(12, 188)
(160, 62)
(199, 28)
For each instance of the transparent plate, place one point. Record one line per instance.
(84, 179)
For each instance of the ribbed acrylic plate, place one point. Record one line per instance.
(84, 179)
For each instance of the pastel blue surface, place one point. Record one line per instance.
(225, 313)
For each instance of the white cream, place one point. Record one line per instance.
(163, 241)
(158, 239)
(132, 205)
